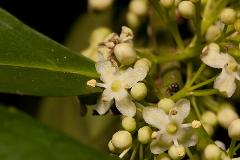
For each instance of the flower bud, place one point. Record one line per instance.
(111, 147)
(138, 7)
(144, 134)
(139, 91)
(228, 16)
(167, 3)
(166, 104)
(209, 118)
(99, 35)
(125, 53)
(132, 20)
(99, 5)
(225, 116)
(234, 129)
(176, 152)
(211, 47)
(129, 124)
(212, 33)
(122, 140)
(208, 128)
(212, 152)
(237, 25)
(144, 63)
(163, 156)
(187, 9)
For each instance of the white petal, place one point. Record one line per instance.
(126, 106)
(156, 148)
(131, 76)
(107, 95)
(225, 83)
(189, 137)
(155, 117)
(106, 70)
(215, 59)
(103, 106)
(182, 108)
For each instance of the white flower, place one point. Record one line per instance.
(225, 82)
(116, 84)
(171, 127)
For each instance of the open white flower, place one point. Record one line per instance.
(171, 127)
(116, 84)
(225, 82)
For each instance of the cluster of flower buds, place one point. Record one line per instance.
(137, 10)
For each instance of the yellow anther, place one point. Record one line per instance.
(92, 83)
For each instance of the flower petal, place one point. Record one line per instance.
(155, 117)
(225, 83)
(106, 70)
(103, 106)
(131, 76)
(107, 95)
(215, 59)
(182, 108)
(126, 106)
(156, 148)
(189, 137)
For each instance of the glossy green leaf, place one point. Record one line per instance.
(22, 138)
(31, 63)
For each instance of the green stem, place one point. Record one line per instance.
(195, 107)
(203, 83)
(231, 148)
(197, 74)
(205, 92)
(141, 152)
(134, 152)
(189, 153)
(223, 35)
(198, 22)
(176, 35)
(189, 72)
(237, 148)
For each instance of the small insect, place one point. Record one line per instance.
(173, 88)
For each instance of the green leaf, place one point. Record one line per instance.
(22, 138)
(31, 63)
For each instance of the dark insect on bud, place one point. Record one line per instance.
(173, 88)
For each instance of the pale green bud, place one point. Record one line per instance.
(234, 129)
(187, 9)
(228, 16)
(138, 7)
(237, 25)
(225, 116)
(220, 144)
(99, 35)
(144, 63)
(129, 124)
(212, 33)
(125, 53)
(176, 152)
(99, 5)
(209, 118)
(144, 134)
(133, 20)
(166, 104)
(111, 147)
(208, 128)
(163, 156)
(212, 152)
(122, 140)
(167, 3)
(139, 91)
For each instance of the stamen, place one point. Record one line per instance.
(101, 85)
(92, 83)
(124, 152)
(175, 142)
(186, 125)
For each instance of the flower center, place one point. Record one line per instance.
(171, 128)
(116, 86)
(232, 66)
